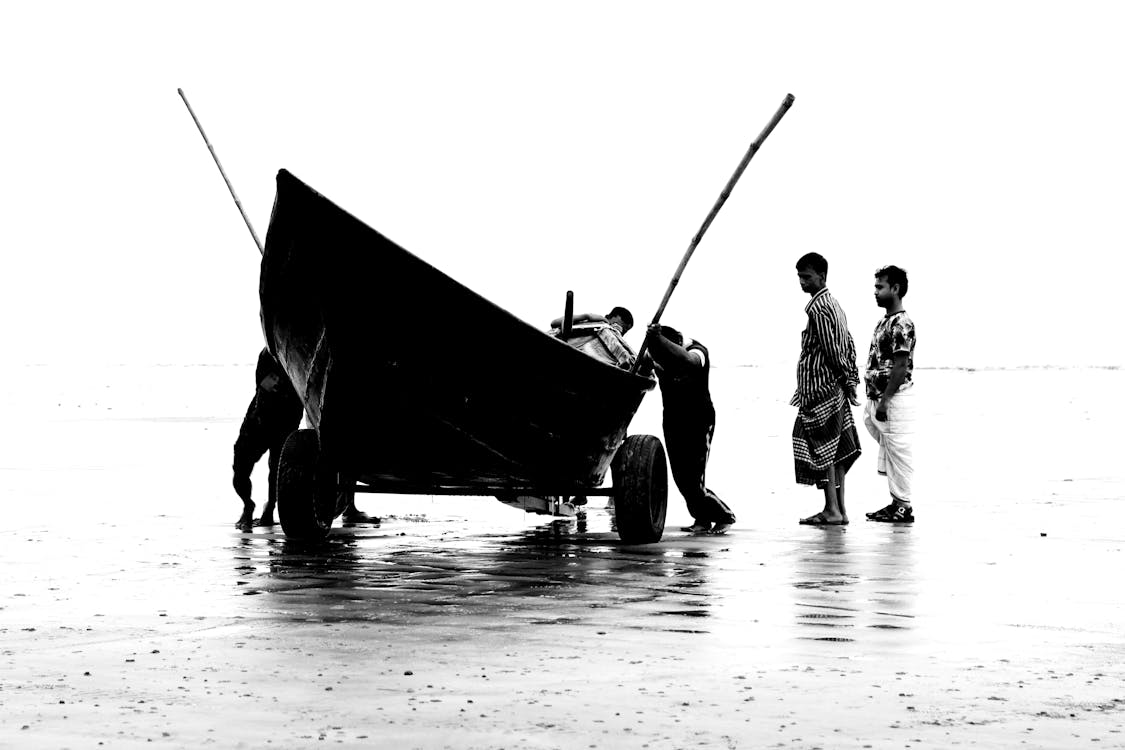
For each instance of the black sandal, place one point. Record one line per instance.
(893, 513)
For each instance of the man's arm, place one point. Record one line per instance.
(833, 337)
(668, 354)
(896, 378)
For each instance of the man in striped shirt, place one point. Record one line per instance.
(825, 441)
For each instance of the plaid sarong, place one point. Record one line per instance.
(824, 434)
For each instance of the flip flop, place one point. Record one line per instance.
(820, 520)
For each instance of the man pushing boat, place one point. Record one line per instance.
(683, 368)
(273, 414)
(601, 337)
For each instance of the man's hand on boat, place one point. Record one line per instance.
(645, 368)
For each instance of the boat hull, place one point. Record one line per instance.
(415, 383)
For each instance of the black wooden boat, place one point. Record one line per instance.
(413, 383)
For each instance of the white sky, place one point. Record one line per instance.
(531, 148)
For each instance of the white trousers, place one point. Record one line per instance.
(896, 441)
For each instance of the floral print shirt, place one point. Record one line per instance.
(893, 334)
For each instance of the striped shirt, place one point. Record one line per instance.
(828, 356)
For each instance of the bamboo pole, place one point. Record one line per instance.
(223, 173)
(785, 105)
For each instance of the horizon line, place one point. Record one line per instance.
(964, 368)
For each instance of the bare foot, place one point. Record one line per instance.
(265, 520)
(246, 520)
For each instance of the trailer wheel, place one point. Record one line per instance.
(640, 483)
(306, 493)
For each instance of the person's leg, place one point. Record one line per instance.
(716, 510)
(899, 451)
(247, 450)
(818, 438)
(267, 518)
(722, 512)
(875, 429)
(831, 495)
(803, 460)
(831, 514)
(352, 514)
(878, 431)
(900, 467)
(242, 488)
(847, 452)
(687, 459)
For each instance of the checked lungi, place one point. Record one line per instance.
(824, 434)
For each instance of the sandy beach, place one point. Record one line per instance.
(133, 613)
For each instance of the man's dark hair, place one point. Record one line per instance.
(894, 275)
(815, 261)
(625, 315)
(672, 335)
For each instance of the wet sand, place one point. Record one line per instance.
(133, 613)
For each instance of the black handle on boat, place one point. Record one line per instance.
(785, 105)
(224, 174)
(568, 316)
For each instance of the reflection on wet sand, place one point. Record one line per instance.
(554, 573)
(844, 584)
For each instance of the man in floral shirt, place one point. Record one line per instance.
(889, 415)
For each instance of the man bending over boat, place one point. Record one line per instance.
(620, 321)
(602, 337)
(274, 413)
(683, 368)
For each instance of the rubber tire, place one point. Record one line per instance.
(306, 495)
(640, 483)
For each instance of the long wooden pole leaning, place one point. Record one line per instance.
(785, 105)
(224, 174)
